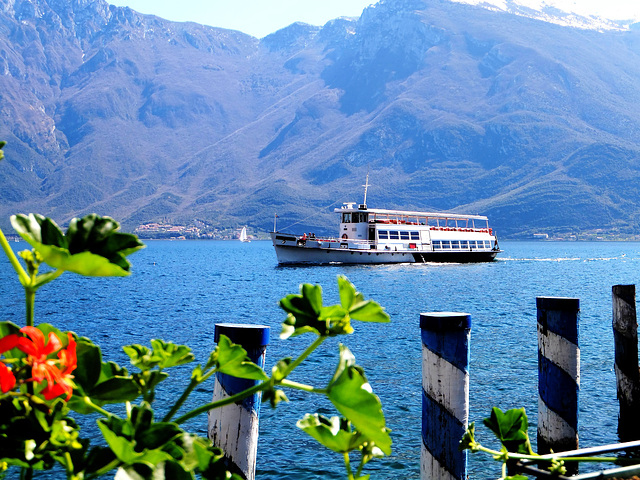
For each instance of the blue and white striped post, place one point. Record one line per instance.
(558, 373)
(625, 340)
(234, 428)
(445, 394)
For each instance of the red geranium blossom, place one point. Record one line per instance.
(42, 367)
(7, 379)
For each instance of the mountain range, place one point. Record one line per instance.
(445, 106)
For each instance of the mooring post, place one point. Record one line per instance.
(558, 373)
(625, 337)
(445, 394)
(234, 428)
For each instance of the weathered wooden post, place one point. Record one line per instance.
(558, 373)
(445, 394)
(234, 428)
(625, 337)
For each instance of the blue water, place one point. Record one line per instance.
(179, 290)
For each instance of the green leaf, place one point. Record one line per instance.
(510, 428)
(351, 394)
(170, 354)
(348, 294)
(92, 246)
(335, 433)
(232, 359)
(89, 364)
(115, 390)
(468, 441)
(369, 311)
(125, 449)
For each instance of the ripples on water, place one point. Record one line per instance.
(179, 290)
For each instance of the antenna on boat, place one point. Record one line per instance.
(366, 187)
(275, 219)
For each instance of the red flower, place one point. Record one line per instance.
(7, 379)
(42, 367)
(8, 342)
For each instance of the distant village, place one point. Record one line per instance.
(180, 232)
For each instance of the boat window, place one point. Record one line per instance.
(383, 234)
(472, 244)
(446, 244)
(360, 217)
(404, 235)
(415, 235)
(394, 235)
(436, 244)
(346, 218)
(455, 244)
(464, 244)
(487, 244)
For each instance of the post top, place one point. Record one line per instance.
(248, 336)
(445, 321)
(558, 303)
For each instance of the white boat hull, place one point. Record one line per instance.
(291, 250)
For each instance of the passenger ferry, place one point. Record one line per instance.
(369, 235)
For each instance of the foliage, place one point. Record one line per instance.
(511, 429)
(49, 377)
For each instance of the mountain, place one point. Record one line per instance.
(447, 106)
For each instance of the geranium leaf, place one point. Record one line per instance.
(351, 394)
(92, 245)
(232, 359)
(335, 433)
(510, 428)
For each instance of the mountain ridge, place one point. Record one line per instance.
(448, 106)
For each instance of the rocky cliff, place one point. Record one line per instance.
(448, 106)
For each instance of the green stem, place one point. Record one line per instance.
(302, 386)
(192, 385)
(316, 343)
(24, 278)
(30, 298)
(89, 403)
(69, 465)
(104, 470)
(256, 388)
(221, 403)
(347, 464)
(546, 458)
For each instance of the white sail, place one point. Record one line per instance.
(243, 235)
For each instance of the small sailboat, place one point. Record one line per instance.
(243, 235)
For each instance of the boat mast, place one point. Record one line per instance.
(366, 186)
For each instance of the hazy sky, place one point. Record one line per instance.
(262, 17)
(255, 17)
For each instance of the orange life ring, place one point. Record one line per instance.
(344, 236)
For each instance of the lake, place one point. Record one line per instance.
(180, 289)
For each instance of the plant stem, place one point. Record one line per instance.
(88, 402)
(192, 385)
(106, 469)
(347, 464)
(316, 343)
(222, 402)
(30, 299)
(302, 386)
(545, 458)
(256, 388)
(24, 278)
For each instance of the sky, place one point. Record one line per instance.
(262, 17)
(255, 17)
